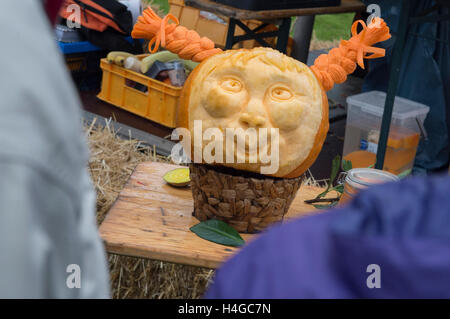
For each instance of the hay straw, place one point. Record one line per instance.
(111, 163)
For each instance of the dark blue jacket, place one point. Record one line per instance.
(403, 228)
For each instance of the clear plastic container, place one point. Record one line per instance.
(364, 114)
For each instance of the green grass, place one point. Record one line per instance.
(162, 4)
(328, 27)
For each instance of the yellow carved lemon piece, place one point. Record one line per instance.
(178, 177)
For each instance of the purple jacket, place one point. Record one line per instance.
(394, 236)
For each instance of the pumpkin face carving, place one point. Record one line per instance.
(259, 88)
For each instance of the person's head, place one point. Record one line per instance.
(52, 7)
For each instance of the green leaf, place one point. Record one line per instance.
(326, 206)
(346, 165)
(404, 173)
(338, 188)
(334, 169)
(323, 193)
(218, 232)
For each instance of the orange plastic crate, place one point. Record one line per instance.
(158, 104)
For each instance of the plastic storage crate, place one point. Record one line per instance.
(139, 94)
(362, 131)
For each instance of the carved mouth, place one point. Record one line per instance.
(266, 149)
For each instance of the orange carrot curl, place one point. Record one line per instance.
(186, 43)
(334, 67)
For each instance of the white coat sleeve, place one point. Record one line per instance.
(47, 202)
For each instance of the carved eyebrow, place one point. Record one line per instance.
(211, 70)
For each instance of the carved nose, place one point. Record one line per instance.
(253, 115)
(252, 120)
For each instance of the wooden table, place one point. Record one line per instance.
(151, 219)
(236, 14)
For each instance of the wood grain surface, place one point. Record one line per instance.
(241, 14)
(151, 219)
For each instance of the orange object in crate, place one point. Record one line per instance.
(139, 94)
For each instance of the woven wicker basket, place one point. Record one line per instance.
(248, 202)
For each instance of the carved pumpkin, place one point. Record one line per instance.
(259, 88)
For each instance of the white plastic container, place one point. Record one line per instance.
(364, 114)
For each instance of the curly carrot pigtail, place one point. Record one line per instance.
(334, 67)
(186, 43)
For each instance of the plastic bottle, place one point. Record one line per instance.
(133, 64)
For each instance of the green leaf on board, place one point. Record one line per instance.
(338, 188)
(346, 165)
(334, 169)
(322, 194)
(404, 173)
(218, 232)
(326, 206)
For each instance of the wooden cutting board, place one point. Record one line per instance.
(151, 219)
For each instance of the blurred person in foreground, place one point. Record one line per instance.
(391, 241)
(48, 234)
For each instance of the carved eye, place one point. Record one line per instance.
(281, 93)
(231, 85)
